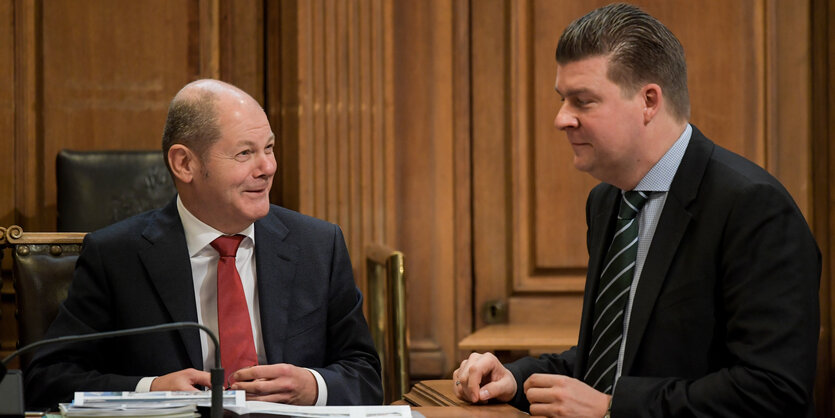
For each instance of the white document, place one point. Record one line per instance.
(199, 398)
(372, 411)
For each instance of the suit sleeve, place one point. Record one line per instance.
(768, 271)
(57, 371)
(352, 373)
(521, 369)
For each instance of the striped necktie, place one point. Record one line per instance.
(612, 294)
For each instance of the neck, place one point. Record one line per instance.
(660, 135)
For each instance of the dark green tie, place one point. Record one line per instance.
(612, 294)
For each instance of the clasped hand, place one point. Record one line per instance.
(282, 383)
(482, 377)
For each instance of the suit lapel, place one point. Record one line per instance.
(276, 268)
(167, 262)
(675, 218)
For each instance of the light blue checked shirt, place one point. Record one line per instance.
(657, 184)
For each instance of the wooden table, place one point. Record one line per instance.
(436, 399)
(529, 337)
(478, 411)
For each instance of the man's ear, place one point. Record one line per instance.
(653, 98)
(183, 163)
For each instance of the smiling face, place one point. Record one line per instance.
(230, 185)
(603, 124)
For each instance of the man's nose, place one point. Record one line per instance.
(565, 119)
(267, 164)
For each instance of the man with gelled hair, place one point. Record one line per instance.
(701, 296)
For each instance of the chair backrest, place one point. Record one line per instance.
(387, 317)
(42, 269)
(98, 188)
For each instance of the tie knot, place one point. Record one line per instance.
(227, 245)
(631, 204)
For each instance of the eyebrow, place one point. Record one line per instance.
(249, 143)
(572, 92)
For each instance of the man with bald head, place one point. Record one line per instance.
(291, 324)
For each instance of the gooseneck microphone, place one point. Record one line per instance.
(216, 373)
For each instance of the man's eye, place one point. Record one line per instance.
(269, 148)
(243, 155)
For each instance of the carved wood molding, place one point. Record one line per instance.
(14, 235)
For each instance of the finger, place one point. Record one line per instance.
(248, 373)
(540, 410)
(471, 383)
(541, 380)
(264, 386)
(494, 389)
(271, 371)
(535, 395)
(202, 378)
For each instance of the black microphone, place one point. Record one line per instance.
(13, 389)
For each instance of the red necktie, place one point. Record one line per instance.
(237, 346)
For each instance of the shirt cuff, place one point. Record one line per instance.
(144, 384)
(322, 399)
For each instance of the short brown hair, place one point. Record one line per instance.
(640, 49)
(191, 121)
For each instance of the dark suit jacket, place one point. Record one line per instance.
(725, 319)
(137, 273)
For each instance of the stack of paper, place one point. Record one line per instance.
(145, 404)
(183, 404)
(130, 409)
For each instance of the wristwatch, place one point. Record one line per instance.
(609, 409)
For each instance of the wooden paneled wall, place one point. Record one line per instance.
(334, 111)
(432, 131)
(424, 125)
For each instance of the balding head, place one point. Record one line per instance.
(193, 115)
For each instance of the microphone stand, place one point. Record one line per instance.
(216, 373)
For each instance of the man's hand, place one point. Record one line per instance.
(186, 379)
(482, 377)
(553, 395)
(283, 383)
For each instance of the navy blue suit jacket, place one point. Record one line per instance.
(725, 319)
(137, 273)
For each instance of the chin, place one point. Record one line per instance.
(255, 211)
(582, 165)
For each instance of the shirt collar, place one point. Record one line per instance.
(199, 235)
(659, 178)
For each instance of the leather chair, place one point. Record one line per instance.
(387, 317)
(42, 269)
(98, 188)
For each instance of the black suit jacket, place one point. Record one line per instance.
(137, 273)
(725, 319)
